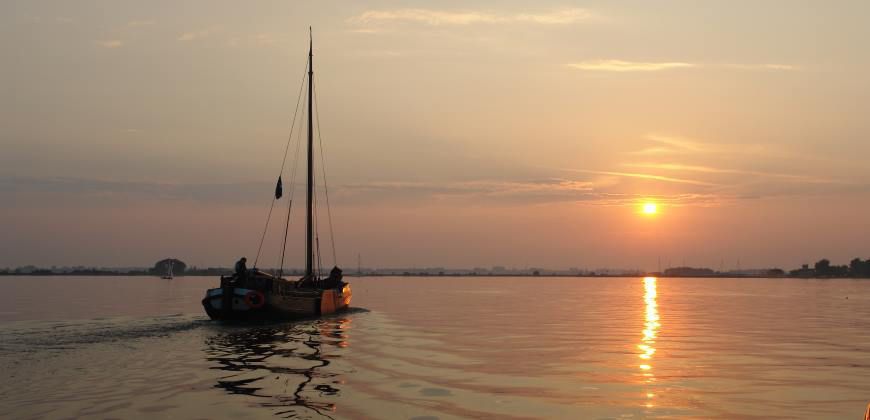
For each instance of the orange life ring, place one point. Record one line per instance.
(261, 299)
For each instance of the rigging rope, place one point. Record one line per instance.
(319, 267)
(323, 169)
(292, 191)
(265, 229)
(286, 148)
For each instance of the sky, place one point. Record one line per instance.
(519, 134)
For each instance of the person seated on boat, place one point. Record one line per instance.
(334, 278)
(242, 268)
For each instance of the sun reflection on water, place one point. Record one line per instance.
(650, 332)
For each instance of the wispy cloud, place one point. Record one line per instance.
(191, 36)
(442, 17)
(367, 30)
(378, 53)
(111, 43)
(506, 192)
(516, 192)
(264, 39)
(625, 66)
(728, 169)
(480, 188)
(675, 167)
(671, 144)
(652, 177)
(259, 40)
(138, 23)
(561, 17)
(678, 199)
(520, 192)
(95, 189)
(769, 67)
(674, 145)
(628, 66)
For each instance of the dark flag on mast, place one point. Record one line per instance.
(279, 190)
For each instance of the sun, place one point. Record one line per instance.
(650, 208)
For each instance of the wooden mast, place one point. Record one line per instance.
(309, 203)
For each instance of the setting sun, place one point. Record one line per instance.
(650, 208)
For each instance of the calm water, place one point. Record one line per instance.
(427, 348)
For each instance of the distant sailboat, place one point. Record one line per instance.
(168, 275)
(254, 294)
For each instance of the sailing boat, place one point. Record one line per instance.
(254, 294)
(168, 275)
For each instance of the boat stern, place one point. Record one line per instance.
(232, 302)
(334, 300)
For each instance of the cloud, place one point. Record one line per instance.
(562, 17)
(368, 31)
(770, 67)
(97, 190)
(588, 190)
(67, 189)
(543, 191)
(672, 145)
(264, 39)
(440, 17)
(645, 176)
(624, 66)
(679, 199)
(552, 188)
(757, 176)
(689, 162)
(191, 36)
(711, 170)
(378, 53)
(138, 23)
(627, 66)
(112, 43)
(258, 40)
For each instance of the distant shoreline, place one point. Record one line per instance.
(823, 269)
(468, 274)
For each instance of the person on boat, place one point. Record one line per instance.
(334, 278)
(242, 268)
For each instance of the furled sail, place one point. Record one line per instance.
(279, 190)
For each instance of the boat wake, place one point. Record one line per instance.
(32, 337)
(25, 337)
(152, 367)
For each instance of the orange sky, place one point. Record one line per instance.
(509, 133)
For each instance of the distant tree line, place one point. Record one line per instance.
(857, 268)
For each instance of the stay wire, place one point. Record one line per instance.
(286, 148)
(319, 267)
(323, 169)
(317, 243)
(265, 229)
(292, 192)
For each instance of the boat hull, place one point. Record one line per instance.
(239, 303)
